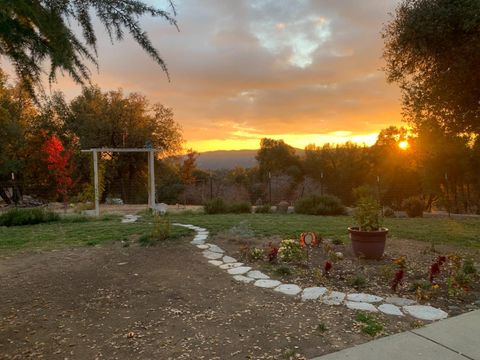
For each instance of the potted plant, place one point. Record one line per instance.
(368, 237)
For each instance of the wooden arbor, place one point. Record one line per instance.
(151, 172)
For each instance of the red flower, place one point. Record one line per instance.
(327, 267)
(272, 252)
(441, 260)
(434, 270)
(399, 274)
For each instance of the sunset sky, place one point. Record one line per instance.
(303, 71)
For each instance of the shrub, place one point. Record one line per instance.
(358, 281)
(367, 214)
(388, 212)
(239, 208)
(256, 254)
(218, 206)
(290, 251)
(215, 206)
(161, 228)
(263, 209)
(19, 217)
(319, 205)
(283, 270)
(413, 206)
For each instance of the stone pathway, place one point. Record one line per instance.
(394, 306)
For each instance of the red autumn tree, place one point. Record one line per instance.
(188, 167)
(58, 162)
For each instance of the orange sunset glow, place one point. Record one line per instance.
(307, 72)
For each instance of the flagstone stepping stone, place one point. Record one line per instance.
(425, 312)
(313, 293)
(229, 259)
(333, 298)
(288, 289)
(203, 246)
(364, 306)
(390, 309)
(399, 301)
(362, 297)
(239, 270)
(200, 237)
(215, 262)
(216, 249)
(202, 233)
(264, 283)
(243, 279)
(212, 255)
(255, 274)
(230, 265)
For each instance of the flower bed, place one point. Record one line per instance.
(444, 277)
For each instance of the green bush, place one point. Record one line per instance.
(319, 205)
(413, 206)
(215, 206)
(263, 209)
(19, 217)
(218, 206)
(291, 251)
(239, 208)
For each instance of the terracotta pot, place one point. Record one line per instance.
(368, 244)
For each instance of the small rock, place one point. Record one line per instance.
(424, 312)
(362, 297)
(255, 274)
(288, 289)
(229, 259)
(313, 293)
(215, 262)
(203, 246)
(390, 309)
(230, 266)
(243, 279)
(212, 255)
(333, 298)
(215, 248)
(355, 305)
(239, 270)
(399, 301)
(267, 283)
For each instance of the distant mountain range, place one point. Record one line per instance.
(226, 159)
(229, 159)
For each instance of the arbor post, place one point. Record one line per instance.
(151, 173)
(95, 181)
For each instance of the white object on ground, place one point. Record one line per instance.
(239, 270)
(362, 297)
(255, 274)
(390, 309)
(313, 293)
(333, 298)
(267, 283)
(355, 305)
(288, 289)
(212, 255)
(425, 312)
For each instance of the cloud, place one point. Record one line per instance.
(279, 68)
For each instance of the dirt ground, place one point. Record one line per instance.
(163, 302)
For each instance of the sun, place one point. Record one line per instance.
(403, 144)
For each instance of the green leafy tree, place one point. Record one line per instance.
(34, 31)
(112, 119)
(432, 50)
